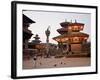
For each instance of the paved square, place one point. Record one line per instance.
(56, 62)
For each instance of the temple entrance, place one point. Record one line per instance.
(76, 47)
(64, 47)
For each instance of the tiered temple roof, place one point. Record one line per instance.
(26, 23)
(36, 41)
(27, 20)
(71, 32)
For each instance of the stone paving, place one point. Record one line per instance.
(56, 62)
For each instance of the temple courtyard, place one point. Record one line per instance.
(53, 62)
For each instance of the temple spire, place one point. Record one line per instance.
(75, 21)
(71, 21)
(65, 20)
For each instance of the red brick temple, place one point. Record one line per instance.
(70, 38)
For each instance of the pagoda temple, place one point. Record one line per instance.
(70, 38)
(37, 48)
(33, 44)
(26, 32)
(26, 35)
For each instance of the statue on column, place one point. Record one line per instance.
(47, 32)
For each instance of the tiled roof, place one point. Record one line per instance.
(27, 20)
(72, 34)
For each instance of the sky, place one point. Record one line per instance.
(44, 19)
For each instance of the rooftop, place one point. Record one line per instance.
(27, 20)
(65, 24)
